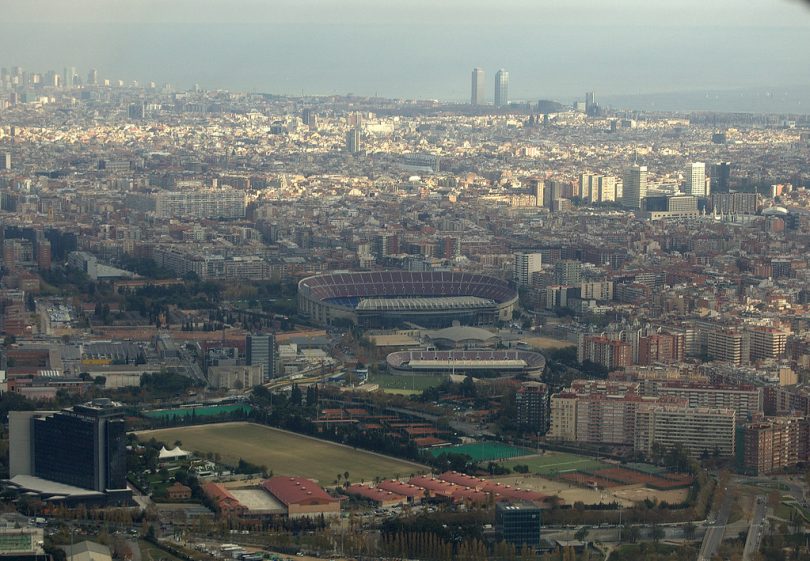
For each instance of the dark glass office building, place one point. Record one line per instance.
(518, 523)
(84, 446)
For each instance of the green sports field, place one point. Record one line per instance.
(282, 452)
(482, 451)
(555, 463)
(394, 383)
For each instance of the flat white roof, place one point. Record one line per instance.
(47, 487)
(258, 501)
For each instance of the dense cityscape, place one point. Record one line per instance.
(251, 326)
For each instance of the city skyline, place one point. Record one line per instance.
(759, 46)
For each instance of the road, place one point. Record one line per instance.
(756, 529)
(714, 533)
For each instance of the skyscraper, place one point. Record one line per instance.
(260, 351)
(635, 186)
(532, 401)
(477, 94)
(69, 77)
(353, 141)
(526, 264)
(501, 88)
(92, 77)
(590, 101)
(721, 173)
(84, 447)
(696, 179)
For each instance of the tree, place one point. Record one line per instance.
(630, 534)
(295, 395)
(656, 533)
(689, 530)
(582, 533)
(312, 396)
(468, 388)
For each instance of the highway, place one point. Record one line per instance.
(756, 529)
(714, 533)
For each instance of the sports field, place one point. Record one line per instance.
(482, 451)
(555, 463)
(394, 383)
(283, 452)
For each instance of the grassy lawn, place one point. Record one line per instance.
(553, 463)
(284, 453)
(412, 384)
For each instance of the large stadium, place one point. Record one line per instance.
(474, 362)
(391, 298)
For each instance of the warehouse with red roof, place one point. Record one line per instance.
(302, 497)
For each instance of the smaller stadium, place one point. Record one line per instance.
(393, 298)
(478, 363)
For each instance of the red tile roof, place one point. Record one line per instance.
(435, 486)
(297, 491)
(463, 479)
(402, 488)
(374, 493)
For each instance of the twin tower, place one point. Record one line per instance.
(501, 87)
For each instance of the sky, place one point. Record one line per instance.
(420, 48)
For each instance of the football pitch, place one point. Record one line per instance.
(555, 463)
(283, 452)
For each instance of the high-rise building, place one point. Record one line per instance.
(698, 430)
(661, 347)
(44, 255)
(69, 77)
(773, 444)
(767, 342)
(567, 272)
(720, 176)
(137, 111)
(208, 203)
(553, 191)
(260, 350)
(501, 88)
(635, 186)
(5, 161)
(591, 107)
(532, 401)
(477, 91)
(353, 141)
(696, 179)
(526, 264)
(83, 447)
(92, 77)
(538, 187)
(518, 523)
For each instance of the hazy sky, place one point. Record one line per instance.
(418, 48)
(449, 12)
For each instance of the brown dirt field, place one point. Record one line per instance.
(626, 496)
(547, 343)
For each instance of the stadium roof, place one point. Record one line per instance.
(467, 364)
(426, 304)
(371, 284)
